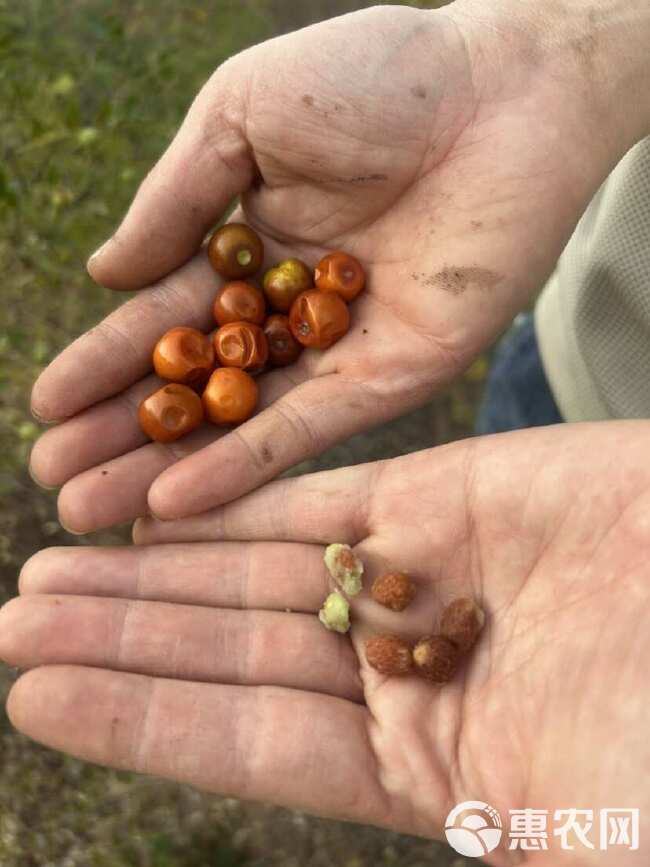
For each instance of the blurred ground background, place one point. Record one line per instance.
(91, 91)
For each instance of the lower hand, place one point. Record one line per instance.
(204, 661)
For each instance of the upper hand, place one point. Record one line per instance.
(204, 661)
(450, 154)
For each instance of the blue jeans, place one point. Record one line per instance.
(517, 393)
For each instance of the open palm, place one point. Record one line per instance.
(204, 661)
(420, 142)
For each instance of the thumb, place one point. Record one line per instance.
(207, 164)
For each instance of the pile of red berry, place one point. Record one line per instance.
(211, 376)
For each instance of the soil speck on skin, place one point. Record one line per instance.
(585, 47)
(267, 455)
(419, 92)
(360, 179)
(308, 100)
(456, 281)
(337, 107)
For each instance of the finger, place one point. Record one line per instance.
(320, 508)
(116, 491)
(265, 576)
(297, 749)
(117, 353)
(80, 443)
(206, 166)
(305, 422)
(187, 642)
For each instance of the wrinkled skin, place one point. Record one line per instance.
(452, 152)
(225, 688)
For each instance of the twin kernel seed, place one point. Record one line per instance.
(434, 657)
(345, 568)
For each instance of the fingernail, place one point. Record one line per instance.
(49, 421)
(136, 531)
(94, 259)
(38, 482)
(98, 252)
(72, 532)
(42, 420)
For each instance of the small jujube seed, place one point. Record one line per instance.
(436, 658)
(462, 622)
(389, 654)
(395, 590)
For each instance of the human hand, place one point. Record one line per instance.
(205, 662)
(451, 151)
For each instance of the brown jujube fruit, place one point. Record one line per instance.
(283, 283)
(184, 355)
(241, 344)
(236, 251)
(319, 319)
(341, 273)
(238, 301)
(170, 412)
(283, 347)
(230, 396)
